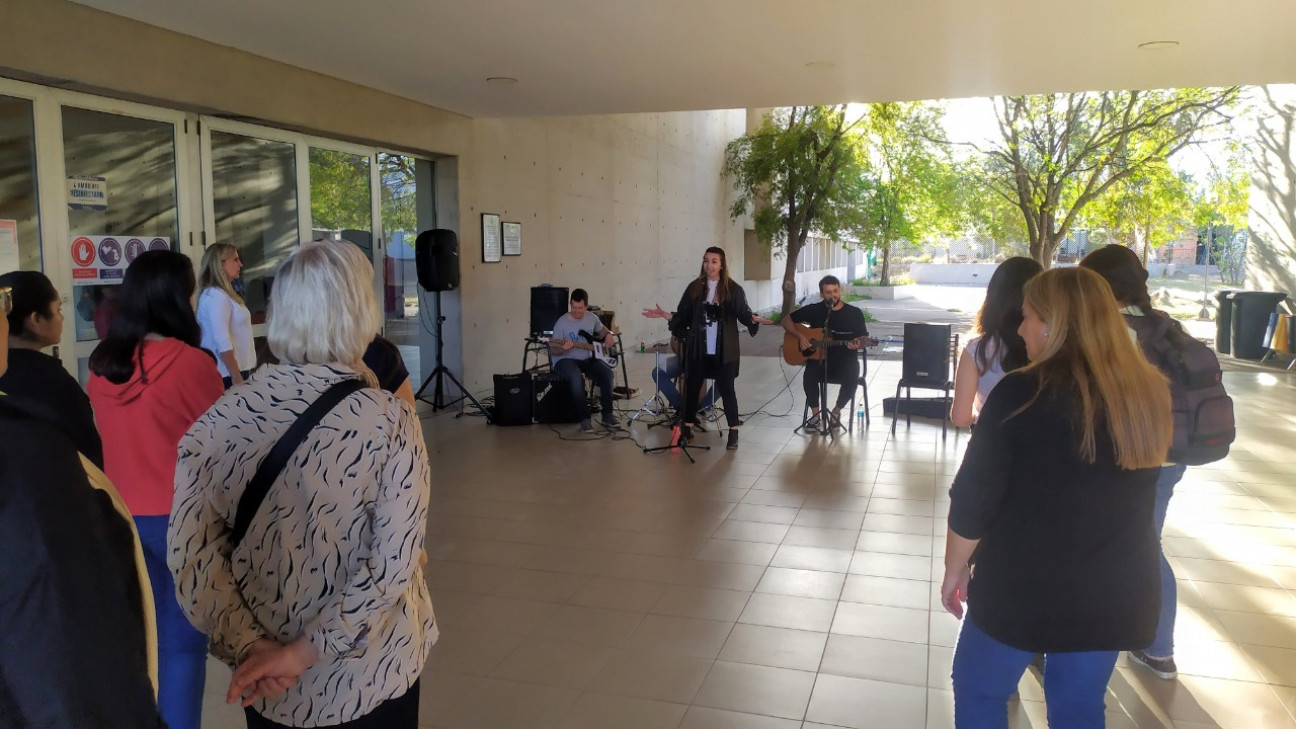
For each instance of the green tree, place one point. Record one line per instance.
(1057, 153)
(1145, 210)
(1221, 205)
(801, 171)
(913, 191)
(339, 186)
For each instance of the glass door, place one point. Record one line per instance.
(123, 178)
(20, 242)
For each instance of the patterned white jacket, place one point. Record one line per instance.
(334, 553)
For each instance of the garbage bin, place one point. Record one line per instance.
(1223, 320)
(1251, 310)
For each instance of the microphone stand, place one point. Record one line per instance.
(690, 354)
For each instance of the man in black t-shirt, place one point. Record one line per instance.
(843, 324)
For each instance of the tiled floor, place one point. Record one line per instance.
(789, 584)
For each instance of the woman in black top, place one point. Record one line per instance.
(1055, 497)
(707, 320)
(37, 382)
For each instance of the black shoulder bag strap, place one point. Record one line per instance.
(278, 457)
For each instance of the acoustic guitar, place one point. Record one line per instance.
(819, 346)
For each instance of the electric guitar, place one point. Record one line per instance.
(600, 353)
(794, 355)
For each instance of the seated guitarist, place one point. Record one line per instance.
(570, 361)
(841, 322)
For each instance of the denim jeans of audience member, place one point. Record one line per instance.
(986, 673)
(1163, 646)
(182, 650)
(601, 374)
(666, 383)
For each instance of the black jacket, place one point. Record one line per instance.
(690, 318)
(72, 635)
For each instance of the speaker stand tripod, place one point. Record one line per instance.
(441, 373)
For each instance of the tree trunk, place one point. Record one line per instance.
(884, 279)
(794, 247)
(1043, 247)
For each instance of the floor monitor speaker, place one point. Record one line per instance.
(513, 399)
(553, 400)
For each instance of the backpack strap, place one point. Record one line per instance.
(275, 461)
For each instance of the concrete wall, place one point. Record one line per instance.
(622, 206)
(952, 273)
(1271, 251)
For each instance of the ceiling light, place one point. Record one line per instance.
(1159, 45)
(821, 65)
(501, 80)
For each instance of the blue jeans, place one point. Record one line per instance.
(666, 383)
(601, 374)
(1163, 646)
(986, 673)
(182, 650)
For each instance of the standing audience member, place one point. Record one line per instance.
(225, 319)
(384, 359)
(707, 320)
(37, 379)
(77, 647)
(1128, 279)
(321, 606)
(1049, 540)
(149, 382)
(997, 348)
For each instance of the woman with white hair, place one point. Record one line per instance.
(309, 580)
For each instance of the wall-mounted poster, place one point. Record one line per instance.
(490, 238)
(98, 265)
(87, 193)
(512, 238)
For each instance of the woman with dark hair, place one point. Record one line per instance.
(1125, 274)
(77, 648)
(707, 320)
(997, 348)
(36, 380)
(1054, 497)
(149, 382)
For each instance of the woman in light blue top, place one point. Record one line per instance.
(996, 348)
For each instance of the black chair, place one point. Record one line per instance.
(849, 421)
(930, 351)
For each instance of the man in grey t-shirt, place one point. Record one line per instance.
(572, 334)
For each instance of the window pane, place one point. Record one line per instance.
(18, 216)
(254, 196)
(340, 204)
(130, 164)
(403, 180)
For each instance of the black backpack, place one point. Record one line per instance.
(1203, 411)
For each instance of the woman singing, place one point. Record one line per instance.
(707, 320)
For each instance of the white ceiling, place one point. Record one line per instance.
(614, 56)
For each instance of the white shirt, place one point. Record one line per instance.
(226, 326)
(712, 329)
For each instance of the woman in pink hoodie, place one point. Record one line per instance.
(149, 382)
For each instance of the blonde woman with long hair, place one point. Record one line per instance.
(1055, 499)
(224, 317)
